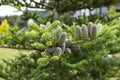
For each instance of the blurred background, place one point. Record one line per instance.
(19, 12)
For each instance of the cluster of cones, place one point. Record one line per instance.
(86, 32)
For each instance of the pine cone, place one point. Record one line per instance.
(50, 50)
(94, 31)
(78, 32)
(62, 38)
(63, 47)
(57, 51)
(90, 26)
(68, 42)
(84, 34)
(68, 50)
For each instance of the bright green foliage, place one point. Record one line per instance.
(35, 27)
(53, 25)
(42, 61)
(49, 43)
(90, 59)
(17, 38)
(55, 58)
(32, 34)
(46, 36)
(38, 45)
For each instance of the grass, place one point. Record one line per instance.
(7, 53)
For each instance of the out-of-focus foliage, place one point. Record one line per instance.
(112, 11)
(61, 6)
(4, 27)
(12, 37)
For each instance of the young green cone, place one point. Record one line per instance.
(50, 50)
(90, 26)
(57, 51)
(62, 38)
(68, 50)
(68, 42)
(78, 32)
(84, 33)
(63, 47)
(94, 31)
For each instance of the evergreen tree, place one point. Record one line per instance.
(60, 55)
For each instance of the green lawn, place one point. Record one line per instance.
(7, 53)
